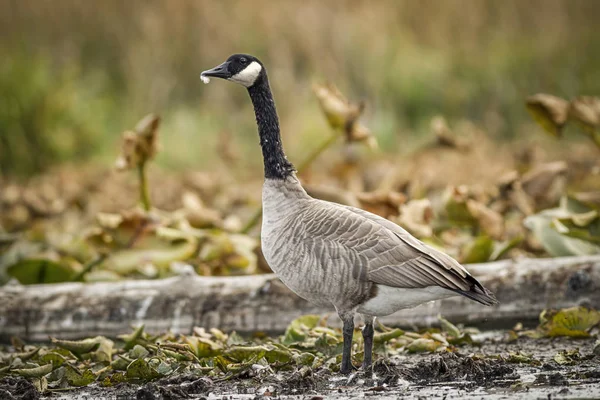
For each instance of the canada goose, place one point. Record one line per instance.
(331, 254)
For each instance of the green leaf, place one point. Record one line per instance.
(120, 363)
(77, 347)
(544, 229)
(423, 345)
(298, 329)
(479, 250)
(133, 338)
(244, 353)
(567, 357)
(203, 347)
(140, 370)
(449, 327)
(105, 349)
(127, 261)
(77, 378)
(521, 358)
(138, 352)
(114, 379)
(32, 271)
(35, 372)
(53, 358)
(583, 226)
(572, 322)
(235, 338)
(279, 354)
(24, 356)
(384, 337)
(571, 229)
(500, 249)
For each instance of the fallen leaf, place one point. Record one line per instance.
(416, 216)
(35, 372)
(571, 322)
(548, 111)
(567, 357)
(585, 110)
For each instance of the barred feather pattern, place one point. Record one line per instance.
(331, 254)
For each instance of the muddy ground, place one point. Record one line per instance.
(473, 372)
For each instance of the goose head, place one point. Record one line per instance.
(239, 68)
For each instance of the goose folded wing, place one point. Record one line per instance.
(390, 256)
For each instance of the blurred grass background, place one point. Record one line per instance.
(75, 74)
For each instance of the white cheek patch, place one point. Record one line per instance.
(248, 75)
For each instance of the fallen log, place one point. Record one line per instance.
(262, 303)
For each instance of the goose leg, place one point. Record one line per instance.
(367, 333)
(348, 330)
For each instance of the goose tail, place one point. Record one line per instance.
(479, 293)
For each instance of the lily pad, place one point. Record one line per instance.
(572, 322)
(78, 378)
(244, 353)
(298, 329)
(140, 370)
(203, 347)
(567, 357)
(32, 271)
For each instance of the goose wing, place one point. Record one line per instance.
(389, 255)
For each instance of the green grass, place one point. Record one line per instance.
(83, 74)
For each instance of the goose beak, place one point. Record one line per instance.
(220, 71)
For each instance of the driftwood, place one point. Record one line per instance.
(262, 303)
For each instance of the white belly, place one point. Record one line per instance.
(390, 299)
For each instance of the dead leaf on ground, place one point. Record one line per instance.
(585, 110)
(549, 111)
(343, 115)
(139, 145)
(416, 216)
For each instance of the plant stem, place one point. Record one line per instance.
(144, 196)
(303, 165)
(88, 267)
(317, 152)
(596, 138)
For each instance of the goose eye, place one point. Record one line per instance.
(243, 60)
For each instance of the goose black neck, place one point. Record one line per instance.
(276, 164)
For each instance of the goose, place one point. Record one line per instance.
(336, 255)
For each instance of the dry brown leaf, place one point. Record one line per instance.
(585, 110)
(343, 115)
(382, 202)
(545, 183)
(415, 217)
(490, 221)
(139, 145)
(521, 200)
(549, 111)
(444, 136)
(197, 214)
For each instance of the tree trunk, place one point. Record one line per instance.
(262, 303)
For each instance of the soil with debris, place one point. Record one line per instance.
(487, 371)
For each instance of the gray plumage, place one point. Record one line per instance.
(331, 254)
(339, 255)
